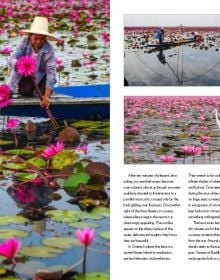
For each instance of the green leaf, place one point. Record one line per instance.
(20, 152)
(83, 225)
(89, 216)
(93, 276)
(41, 251)
(24, 176)
(61, 242)
(15, 166)
(104, 211)
(66, 157)
(105, 234)
(38, 162)
(66, 216)
(5, 142)
(72, 183)
(8, 233)
(7, 220)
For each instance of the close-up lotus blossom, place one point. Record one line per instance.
(53, 150)
(4, 95)
(26, 65)
(9, 248)
(85, 236)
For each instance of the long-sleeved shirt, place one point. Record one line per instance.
(45, 63)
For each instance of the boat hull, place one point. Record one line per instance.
(78, 102)
(169, 44)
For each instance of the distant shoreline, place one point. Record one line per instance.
(174, 28)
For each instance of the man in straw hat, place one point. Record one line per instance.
(37, 45)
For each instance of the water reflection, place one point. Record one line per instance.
(183, 65)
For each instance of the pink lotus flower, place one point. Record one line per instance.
(83, 148)
(12, 123)
(59, 61)
(191, 150)
(53, 150)
(204, 139)
(167, 158)
(6, 50)
(85, 236)
(26, 65)
(25, 194)
(133, 148)
(105, 37)
(4, 95)
(9, 248)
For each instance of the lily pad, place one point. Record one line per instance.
(15, 166)
(72, 183)
(83, 225)
(105, 234)
(88, 216)
(8, 233)
(20, 152)
(38, 162)
(61, 242)
(93, 276)
(24, 176)
(64, 158)
(66, 216)
(5, 142)
(41, 251)
(104, 211)
(7, 220)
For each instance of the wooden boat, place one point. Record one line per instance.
(170, 44)
(73, 102)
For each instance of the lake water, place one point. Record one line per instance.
(186, 65)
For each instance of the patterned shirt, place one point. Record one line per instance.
(45, 63)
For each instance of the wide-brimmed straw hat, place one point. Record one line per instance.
(40, 26)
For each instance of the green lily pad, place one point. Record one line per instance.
(83, 225)
(20, 152)
(88, 216)
(105, 234)
(24, 176)
(2, 271)
(64, 158)
(61, 242)
(7, 220)
(66, 216)
(8, 233)
(104, 211)
(93, 276)
(72, 183)
(16, 166)
(38, 162)
(41, 251)
(6, 142)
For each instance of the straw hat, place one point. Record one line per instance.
(40, 26)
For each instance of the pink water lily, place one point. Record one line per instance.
(191, 150)
(204, 139)
(134, 148)
(85, 235)
(83, 148)
(4, 95)
(53, 150)
(6, 50)
(26, 65)
(9, 248)
(12, 123)
(167, 158)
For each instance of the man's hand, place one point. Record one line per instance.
(45, 102)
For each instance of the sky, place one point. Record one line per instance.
(171, 20)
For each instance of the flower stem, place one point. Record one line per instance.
(84, 260)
